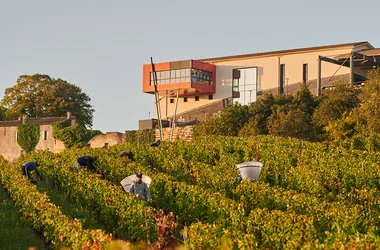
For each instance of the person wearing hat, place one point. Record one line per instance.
(140, 188)
(156, 143)
(29, 167)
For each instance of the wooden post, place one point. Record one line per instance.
(156, 95)
(319, 76)
(175, 116)
(352, 68)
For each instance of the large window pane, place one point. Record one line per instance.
(246, 85)
(187, 72)
(172, 74)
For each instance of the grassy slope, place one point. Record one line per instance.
(14, 232)
(69, 207)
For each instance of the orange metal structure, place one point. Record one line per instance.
(186, 88)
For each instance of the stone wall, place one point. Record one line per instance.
(179, 133)
(48, 142)
(10, 149)
(107, 140)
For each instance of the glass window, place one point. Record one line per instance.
(304, 73)
(167, 74)
(187, 72)
(201, 75)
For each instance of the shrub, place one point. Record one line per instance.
(28, 136)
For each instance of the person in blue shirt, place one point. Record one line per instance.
(28, 167)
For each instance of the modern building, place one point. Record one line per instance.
(206, 86)
(9, 147)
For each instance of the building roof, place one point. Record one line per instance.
(370, 52)
(366, 52)
(34, 121)
(282, 52)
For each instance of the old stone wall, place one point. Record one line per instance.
(179, 133)
(10, 149)
(107, 140)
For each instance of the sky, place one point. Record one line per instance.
(100, 46)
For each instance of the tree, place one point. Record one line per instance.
(335, 102)
(294, 117)
(260, 111)
(227, 123)
(42, 96)
(293, 123)
(2, 114)
(367, 114)
(304, 100)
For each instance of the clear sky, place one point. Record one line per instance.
(101, 46)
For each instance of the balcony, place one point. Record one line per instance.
(190, 77)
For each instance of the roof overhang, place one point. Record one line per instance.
(363, 59)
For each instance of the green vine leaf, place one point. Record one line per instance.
(28, 136)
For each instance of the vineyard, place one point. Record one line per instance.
(309, 196)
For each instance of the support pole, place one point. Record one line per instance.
(156, 96)
(175, 116)
(319, 76)
(279, 75)
(352, 68)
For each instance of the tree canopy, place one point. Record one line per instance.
(2, 114)
(228, 123)
(42, 96)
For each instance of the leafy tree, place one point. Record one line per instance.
(343, 128)
(342, 98)
(76, 136)
(293, 123)
(42, 96)
(252, 128)
(260, 111)
(294, 117)
(304, 100)
(227, 123)
(2, 111)
(367, 115)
